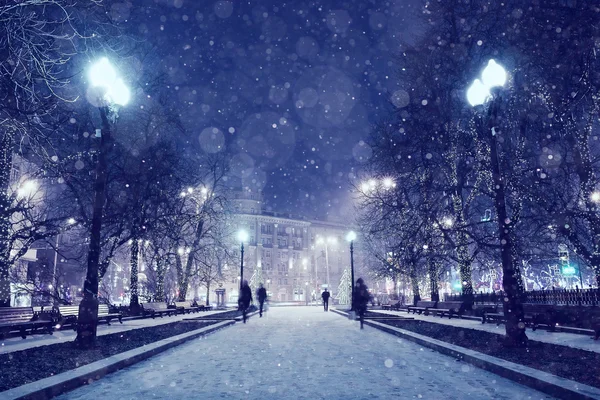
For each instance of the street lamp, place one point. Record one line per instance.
(111, 93)
(326, 242)
(27, 189)
(242, 237)
(351, 237)
(482, 91)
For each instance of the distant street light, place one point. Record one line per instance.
(372, 185)
(27, 189)
(242, 237)
(595, 196)
(351, 237)
(112, 93)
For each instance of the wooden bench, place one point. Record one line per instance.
(202, 307)
(540, 314)
(67, 315)
(184, 307)
(449, 308)
(422, 307)
(533, 314)
(154, 309)
(22, 319)
(395, 306)
(480, 310)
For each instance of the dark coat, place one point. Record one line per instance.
(325, 296)
(361, 296)
(246, 296)
(261, 293)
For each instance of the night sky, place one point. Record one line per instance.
(291, 88)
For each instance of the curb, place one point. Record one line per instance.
(61, 383)
(533, 378)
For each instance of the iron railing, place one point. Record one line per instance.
(566, 297)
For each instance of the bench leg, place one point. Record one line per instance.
(120, 319)
(23, 333)
(108, 321)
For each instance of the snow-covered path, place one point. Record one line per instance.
(302, 353)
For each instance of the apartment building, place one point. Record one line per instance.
(294, 257)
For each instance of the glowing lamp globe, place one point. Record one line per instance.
(351, 236)
(478, 93)
(493, 75)
(118, 93)
(243, 236)
(102, 73)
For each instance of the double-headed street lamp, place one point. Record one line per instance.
(373, 185)
(109, 93)
(482, 91)
(242, 237)
(351, 237)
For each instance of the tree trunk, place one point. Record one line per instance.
(134, 301)
(208, 293)
(6, 154)
(414, 281)
(87, 320)
(513, 308)
(181, 281)
(160, 280)
(462, 241)
(433, 279)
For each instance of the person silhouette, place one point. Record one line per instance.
(261, 294)
(361, 299)
(325, 296)
(245, 299)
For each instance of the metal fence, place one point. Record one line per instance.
(566, 297)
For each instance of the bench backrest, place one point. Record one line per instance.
(426, 303)
(68, 311)
(182, 304)
(15, 314)
(155, 306)
(449, 305)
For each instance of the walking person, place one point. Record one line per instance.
(261, 294)
(245, 299)
(361, 299)
(325, 296)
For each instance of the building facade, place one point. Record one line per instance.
(294, 258)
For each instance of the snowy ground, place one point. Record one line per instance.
(301, 353)
(584, 342)
(16, 343)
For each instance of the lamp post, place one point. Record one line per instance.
(481, 92)
(306, 292)
(331, 240)
(111, 93)
(351, 237)
(242, 237)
